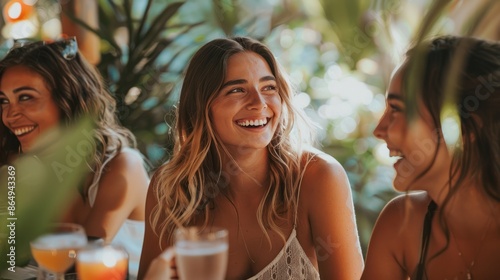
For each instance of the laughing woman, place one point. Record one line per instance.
(238, 164)
(452, 229)
(44, 85)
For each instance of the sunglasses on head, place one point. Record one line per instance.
(68, 51)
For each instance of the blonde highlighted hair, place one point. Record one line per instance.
(186, 185)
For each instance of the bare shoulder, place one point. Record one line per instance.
(126, 170)
(324, 183)
(402, 217)
(407, 208)
(127, 158)
(395, 240)
(326, 199)
(322, 172)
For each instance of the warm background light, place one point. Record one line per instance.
(17, 10)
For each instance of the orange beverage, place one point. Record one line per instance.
(58, 260)
(97, 262)
(57, 252)
(99, 270)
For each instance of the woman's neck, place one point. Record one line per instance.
(247, 172)
(469, 208)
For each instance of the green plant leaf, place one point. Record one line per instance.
(157, 26)
(43, 180)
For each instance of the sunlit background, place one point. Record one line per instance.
(338, 53)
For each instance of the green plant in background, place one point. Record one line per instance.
(146, 45)
(137, 51)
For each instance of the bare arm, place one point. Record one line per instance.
(385, 252)
(332, 220)
(151, 247)
(121, 193)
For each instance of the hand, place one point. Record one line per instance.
(163, 267)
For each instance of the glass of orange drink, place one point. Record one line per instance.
(98, 261)
(55, 252)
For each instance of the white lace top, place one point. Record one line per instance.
(290, 263)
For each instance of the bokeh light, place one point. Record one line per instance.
(17, 10)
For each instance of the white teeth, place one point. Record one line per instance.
(395, 154)
(24, 130)
(253, 122)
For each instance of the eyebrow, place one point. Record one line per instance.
(394, 96)
(19, 89)
(243, 81)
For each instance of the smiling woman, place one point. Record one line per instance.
(238, 164)
(450, 228)
(49, 85)
(247, 109)
(28, 108)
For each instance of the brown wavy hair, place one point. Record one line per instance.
(468, 69)
(186, 185)
(78, 90)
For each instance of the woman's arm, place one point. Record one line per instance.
(151, 247)
(331, 216)
(386, 250)
(121, 194)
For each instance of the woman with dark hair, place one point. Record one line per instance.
(240, 163)
(46, 85)
(451, 230)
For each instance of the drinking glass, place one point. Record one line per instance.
(55, 252)
(102, 262)
(201, 253)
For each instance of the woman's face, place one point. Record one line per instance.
(28, 108)
(247, 109)
(414, 143)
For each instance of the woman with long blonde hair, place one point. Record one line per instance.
(239, 163)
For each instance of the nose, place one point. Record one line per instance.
(256, 100)
(11, 112)
(381, 129)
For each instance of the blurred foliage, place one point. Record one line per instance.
(338, 53)
(43, 180)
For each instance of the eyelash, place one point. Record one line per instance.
(239, 89)
(22, 97)
(395, 108)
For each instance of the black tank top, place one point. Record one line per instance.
(426, 236)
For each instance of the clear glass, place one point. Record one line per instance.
(102, 262)
(55, 252)
(201, 253)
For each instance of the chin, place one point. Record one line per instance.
(403, 184)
